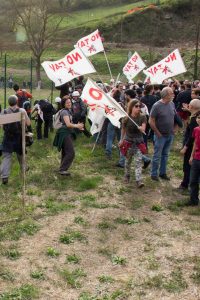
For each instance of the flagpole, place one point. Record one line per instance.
(117, 79)
(108, 64)
(97, 137)
(119, 106)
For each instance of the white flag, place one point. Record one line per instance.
(95, 97)
(170, 66)
(73, 65)
(134, 66)
(97, 116)
(90, 44)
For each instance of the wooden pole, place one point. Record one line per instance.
(23, 120)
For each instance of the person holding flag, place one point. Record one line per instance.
(134, 135)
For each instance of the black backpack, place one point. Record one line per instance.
(14, 128)
(46, 107)
(21, 99)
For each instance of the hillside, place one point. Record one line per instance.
(152, 27)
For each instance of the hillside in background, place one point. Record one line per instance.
(153, 27)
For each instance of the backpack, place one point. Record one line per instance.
(14, 128)
(21, 99)
(57, 120)
(46, 107)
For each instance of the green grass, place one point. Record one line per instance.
(72, 277)
(74, 259)
(72, 236)
(52, 252)
(25, 292)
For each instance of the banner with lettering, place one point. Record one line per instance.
(95, 97)
(73, 65)
(134, 66)
(170, 66)
(90, 44)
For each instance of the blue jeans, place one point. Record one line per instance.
(160, 157)
(194, 181)
(111, 130)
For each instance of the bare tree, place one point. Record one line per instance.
(41, 26)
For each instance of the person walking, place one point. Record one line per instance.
(134, 136)
(12, 139)
(161, 122)
(63, 137)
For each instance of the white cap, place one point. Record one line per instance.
(75, 94)
(57, 99)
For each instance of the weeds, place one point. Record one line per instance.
(71, 237)
(73, 259)
(52, 252)
(72, 277)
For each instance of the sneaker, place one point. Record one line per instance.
(164, 176)
(140, 184)
(119, 166)
(64, 173)
(5, 180)
(155, 178)
(146, 164)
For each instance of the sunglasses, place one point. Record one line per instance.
(137, 105)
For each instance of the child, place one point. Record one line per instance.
(195, 166)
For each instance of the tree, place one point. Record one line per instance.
(40, 24)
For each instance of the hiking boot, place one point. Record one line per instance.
(5, 180)
(140, 184)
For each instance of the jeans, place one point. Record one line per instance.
(194, 181)
(160, 157)
(111, 129)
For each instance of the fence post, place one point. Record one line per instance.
(5, 79)
(31, 79)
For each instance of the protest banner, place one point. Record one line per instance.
(90, 44)
(134, 66)
(170, 66)
(97, 117)
(73, 65)
(95, 97)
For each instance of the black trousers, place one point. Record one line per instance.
(194, 181)
(47, 122)
(186, 168)
(67, 154)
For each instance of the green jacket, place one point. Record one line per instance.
(60, 136)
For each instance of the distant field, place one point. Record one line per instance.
(94, 17)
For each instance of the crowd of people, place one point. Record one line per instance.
(154, 113)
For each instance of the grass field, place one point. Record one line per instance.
(90, 237)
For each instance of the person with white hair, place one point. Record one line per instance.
(12, 139)
(162, 123)
(194, 109)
